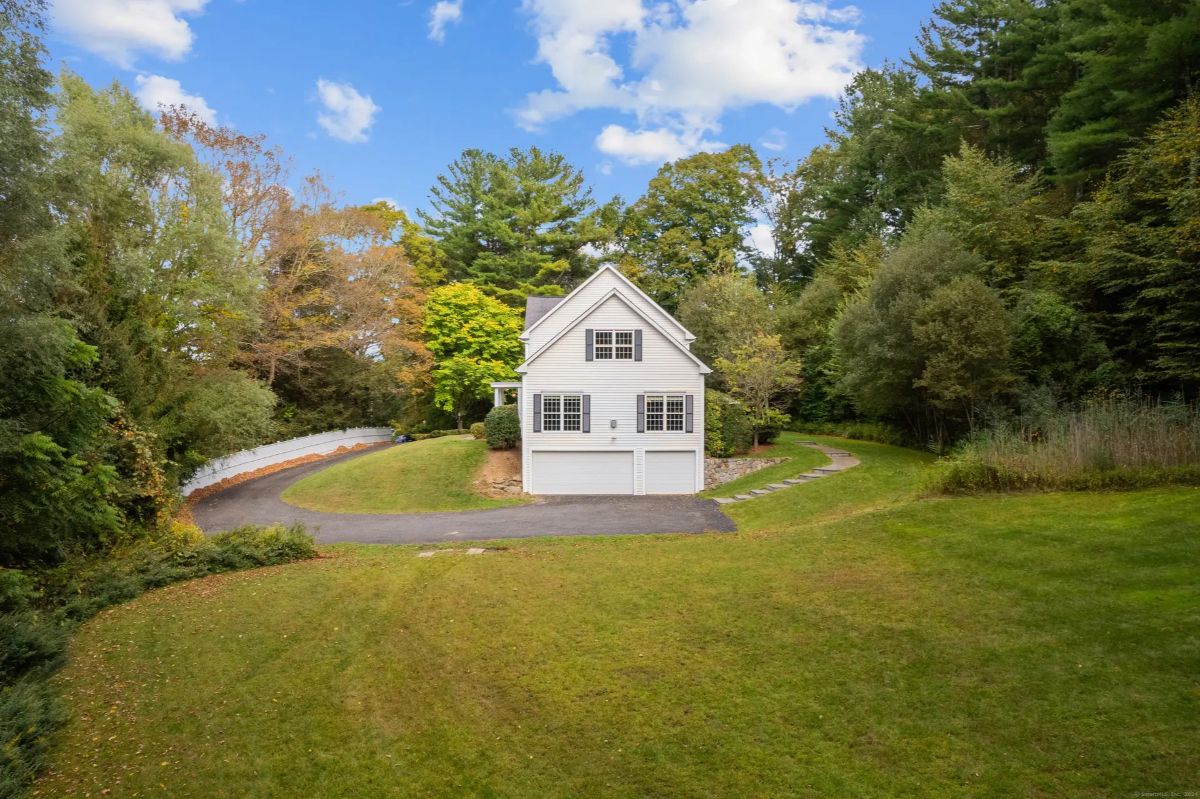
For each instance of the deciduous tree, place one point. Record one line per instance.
(691, 222)
(760, 374)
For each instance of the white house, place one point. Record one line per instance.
(611, 397)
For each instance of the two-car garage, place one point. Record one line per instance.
(611, 472)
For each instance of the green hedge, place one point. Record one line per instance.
(38, 615)
(727, 428)
(478, 431)
(879, 432)
(503, 424)
(435, 434)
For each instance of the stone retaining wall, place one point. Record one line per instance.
(722, 470)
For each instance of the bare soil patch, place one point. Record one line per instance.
(501, 473)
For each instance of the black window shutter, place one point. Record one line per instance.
(637, 344)
(641, 413)
(687, 424)
(537, 413)
(587, 413)
(588, 344)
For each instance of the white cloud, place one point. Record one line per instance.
(774, 140)
(688, 61)
(650, 146)
(155, 91)
(348, 115)
(118, 29)
(760, 238)
(443, 13)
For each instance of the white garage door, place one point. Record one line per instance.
(670, 472)
(583, 472)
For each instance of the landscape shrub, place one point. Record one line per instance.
(1108, 443)
(727, 428)
(430, 434)
(31, 712)
(503, 424)
(880, 432)
(37, 617)
(478, 431)
(29, 641)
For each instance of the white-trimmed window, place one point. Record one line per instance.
(665, 413)
(562, 413)
(613, 345)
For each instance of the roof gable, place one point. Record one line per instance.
(617, 295)
(626, 284)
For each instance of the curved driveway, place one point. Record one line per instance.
(257, 502)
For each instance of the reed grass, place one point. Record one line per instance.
(1115, 442)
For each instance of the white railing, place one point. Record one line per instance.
(251, 460)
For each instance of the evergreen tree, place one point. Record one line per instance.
(1132, 61)
(514, 226)
(1140, 273)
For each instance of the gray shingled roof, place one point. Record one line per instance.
(537, 307)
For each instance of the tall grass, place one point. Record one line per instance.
(1108, 443)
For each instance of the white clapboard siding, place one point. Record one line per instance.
(270, 454)
(613, 387)
(588, 295)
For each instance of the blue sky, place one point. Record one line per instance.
(382, 96)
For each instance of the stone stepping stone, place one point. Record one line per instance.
(828, 469)
(837, 454)
(428, 554)
(743, 496)
(725, 500)
(776, 486)
(807, 443)
(812, 475)
(758, 492)
(795, 481)
(476, 551)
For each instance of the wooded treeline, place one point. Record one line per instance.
(1007, 218)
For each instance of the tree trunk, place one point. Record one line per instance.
(459, 416)
(756, 439)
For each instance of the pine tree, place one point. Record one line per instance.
(514, 226)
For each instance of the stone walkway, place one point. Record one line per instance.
(842, 460)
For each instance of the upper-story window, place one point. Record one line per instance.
(613, 345)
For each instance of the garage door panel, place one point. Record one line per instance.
(670, 472)
(583, 472)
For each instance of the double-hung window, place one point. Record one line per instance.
(665, 413)
(613, 345)
(562, 413)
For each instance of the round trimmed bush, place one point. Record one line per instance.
(479, 431)
(503, 425)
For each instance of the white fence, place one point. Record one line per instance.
(270, 454)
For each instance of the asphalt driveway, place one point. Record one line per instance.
(257, 502)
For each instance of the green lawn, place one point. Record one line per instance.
(424, 476)
(800, 459)
(852, 641)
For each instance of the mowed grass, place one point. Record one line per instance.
(800, 459)
(424, 476)
(851, 641)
